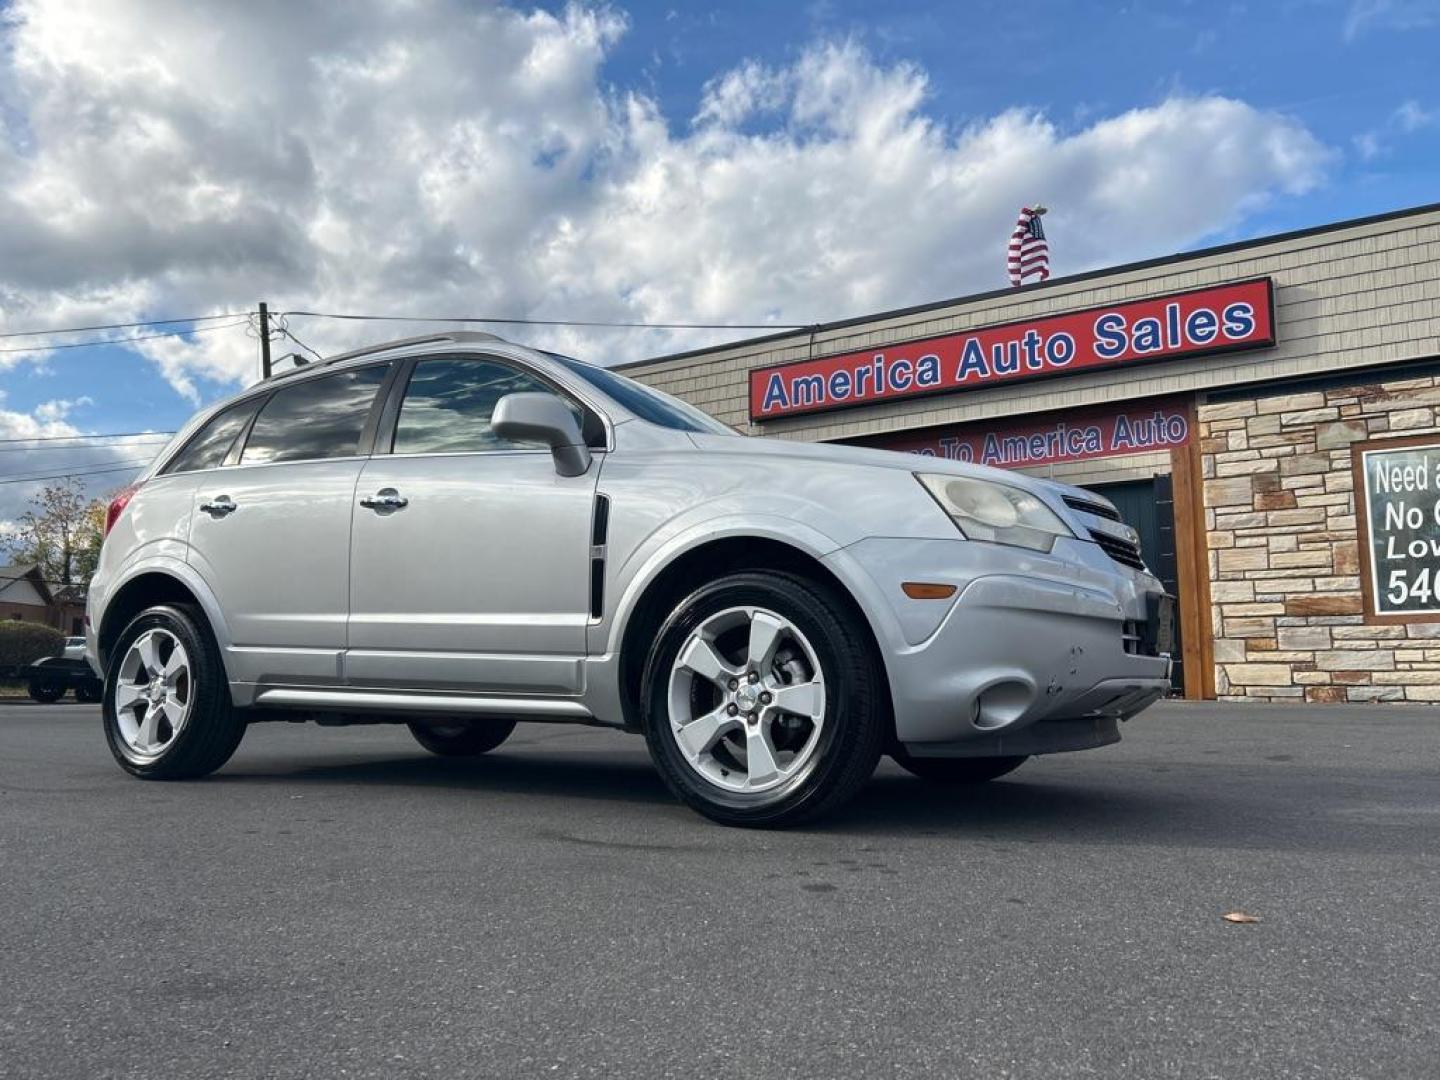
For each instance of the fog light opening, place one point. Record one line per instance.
(1001, 704)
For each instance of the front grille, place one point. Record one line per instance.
(1095, 509)
(1122, 551)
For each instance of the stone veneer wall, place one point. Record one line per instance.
(1284, 551)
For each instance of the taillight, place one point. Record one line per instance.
(117, 506)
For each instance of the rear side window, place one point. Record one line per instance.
(317, 418)
(448, 405)
(210, 445)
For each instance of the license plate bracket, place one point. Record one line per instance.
(1159, 634)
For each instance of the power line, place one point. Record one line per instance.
(286, 331)
(133, 466)
(137, 443)
(552, 322)
(122, 325)
(124, 340)
(97, 435)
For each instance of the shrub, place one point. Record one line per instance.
(23, 643)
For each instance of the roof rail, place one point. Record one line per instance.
(448, 336)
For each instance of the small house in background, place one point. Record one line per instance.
(25, 596)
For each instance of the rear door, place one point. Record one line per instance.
(270, 530)
(469, 554)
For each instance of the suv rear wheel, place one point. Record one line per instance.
(764, 701)
(167, 709)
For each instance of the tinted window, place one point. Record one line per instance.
(212, 442)
(448, 404)
(317, 418)
(644, 401)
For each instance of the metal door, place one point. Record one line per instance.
(470, 572)
(1148, 506)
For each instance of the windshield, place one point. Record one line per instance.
(644, 401)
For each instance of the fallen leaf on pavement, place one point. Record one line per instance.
(1240, 917)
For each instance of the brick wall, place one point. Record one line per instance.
(1284, 551)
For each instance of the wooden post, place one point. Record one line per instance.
(1192, 565)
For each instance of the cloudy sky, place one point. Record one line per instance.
(745, 162)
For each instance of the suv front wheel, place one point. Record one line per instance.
(167, 709)
(764, 700)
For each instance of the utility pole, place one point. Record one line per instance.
(264, 340)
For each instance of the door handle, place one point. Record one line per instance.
(385, 499)
(219, 506)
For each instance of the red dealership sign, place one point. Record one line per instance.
(1203, 321)
(1074, 435)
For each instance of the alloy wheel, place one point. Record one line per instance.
(154, 694)
(747, 700)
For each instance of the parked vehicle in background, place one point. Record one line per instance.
(457, 533)
(49, 679)
(74, 648)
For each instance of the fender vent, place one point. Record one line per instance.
(600, 527)
(597, 588)
(599, 532)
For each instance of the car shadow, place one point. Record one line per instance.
(1198, 806)
(31, 703)
(604, 777)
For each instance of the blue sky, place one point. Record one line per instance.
(1343, 68)
(1326, 111)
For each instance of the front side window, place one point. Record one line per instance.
(208, 448)
(448, 405)
(316, 418)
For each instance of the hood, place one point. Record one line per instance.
(837, 454)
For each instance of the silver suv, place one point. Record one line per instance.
(456, 533)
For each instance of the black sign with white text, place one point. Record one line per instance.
(1400, 522)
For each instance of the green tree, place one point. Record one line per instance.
(62, 532)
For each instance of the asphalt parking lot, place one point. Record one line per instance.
(339, 903)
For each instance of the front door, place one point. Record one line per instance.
(469, 555)
(270, 534)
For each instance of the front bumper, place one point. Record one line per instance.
(1034, 653)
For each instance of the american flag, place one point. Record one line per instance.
(1029, 254)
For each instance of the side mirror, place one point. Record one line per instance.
(535, 417)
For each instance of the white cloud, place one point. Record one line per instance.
(1410, 117)
(35, 444)
(1407, 118)
(435, 158)
(1368, 145)
(1362, 16)
(47, 421)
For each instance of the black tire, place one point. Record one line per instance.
(856, 716)
(47, 693)
(974, 770)
(88, 693)
(462, 738)
(214, 728)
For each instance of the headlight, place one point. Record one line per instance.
(985, 510)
